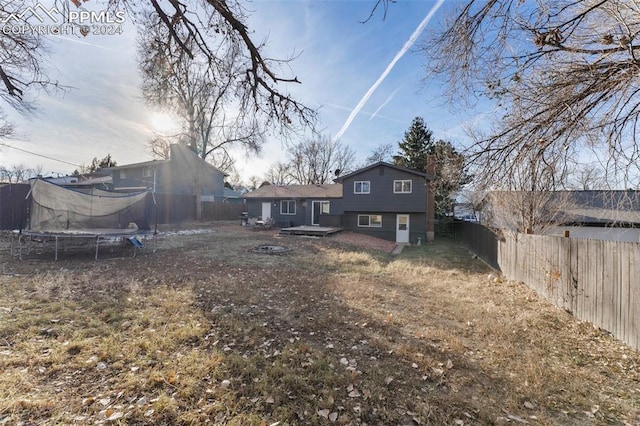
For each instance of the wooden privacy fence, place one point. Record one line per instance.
(221, 211)
(480, 240)
(14, 205)
(177, 208)
(596, 280)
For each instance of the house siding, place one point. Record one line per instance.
(380, 200)
(178, 175)
(254, 208)
(303, 210)
(335, 208)
(381, 197)
(417, 225)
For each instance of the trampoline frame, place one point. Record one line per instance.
(93, 236)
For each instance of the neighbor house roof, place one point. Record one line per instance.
(175, 150)
(597, 207)
(333, 190)
(230, 193)
(136, 165)
(603, 206)
(382, 163)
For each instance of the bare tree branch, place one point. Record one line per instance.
(564, 74)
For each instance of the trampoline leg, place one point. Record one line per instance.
(56, 256)
(97, 246)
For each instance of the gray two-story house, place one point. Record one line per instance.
(382, 200)
(387, 201)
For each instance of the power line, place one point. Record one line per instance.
(39, 155)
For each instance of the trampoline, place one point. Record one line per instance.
(61, 216)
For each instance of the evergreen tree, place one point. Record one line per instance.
(415, 146)
(450, 175)
(450, 166)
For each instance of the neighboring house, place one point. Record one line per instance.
(232, 196)
(602, 208)
(84, 182)
(595, 214)
(381, 200)
(180, 174)
(295, 205)
(601, 215)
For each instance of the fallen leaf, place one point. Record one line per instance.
(333, 417)
(517, 419)
(324, 413)
(270, 400)
(115, 416)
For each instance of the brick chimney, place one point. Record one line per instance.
(431, 207)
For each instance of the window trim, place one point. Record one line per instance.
(361, 182)
(146, 172)
(288, 208)
(402, 181)
(123, 174)
(379, 225)
(327, 203)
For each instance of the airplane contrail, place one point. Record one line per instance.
(412, 39)
(375, 113)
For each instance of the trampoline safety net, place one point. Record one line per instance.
(56, 208)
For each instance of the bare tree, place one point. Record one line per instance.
(279, 174)
(318, 160)
(383, 152)
(234, 181)
(588, 177)
(254, 183)
(208, 29)
(22, 54)
(200, 93)
(17, 173)
(159, 147)
(529, 200)
(564, 73)
(214, 30)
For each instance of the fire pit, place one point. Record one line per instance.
(270, 249)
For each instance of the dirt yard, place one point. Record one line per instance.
(332, 331)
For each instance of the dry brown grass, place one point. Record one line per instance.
(206, 331)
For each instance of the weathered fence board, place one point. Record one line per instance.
(221, 211)
(596, 280)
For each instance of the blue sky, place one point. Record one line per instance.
(339, 60)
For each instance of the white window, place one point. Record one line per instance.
(402, 186)
(288, 207)
(123, 174)
(146, 172)
(370, 221)
(324, 207)
(361, 187)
